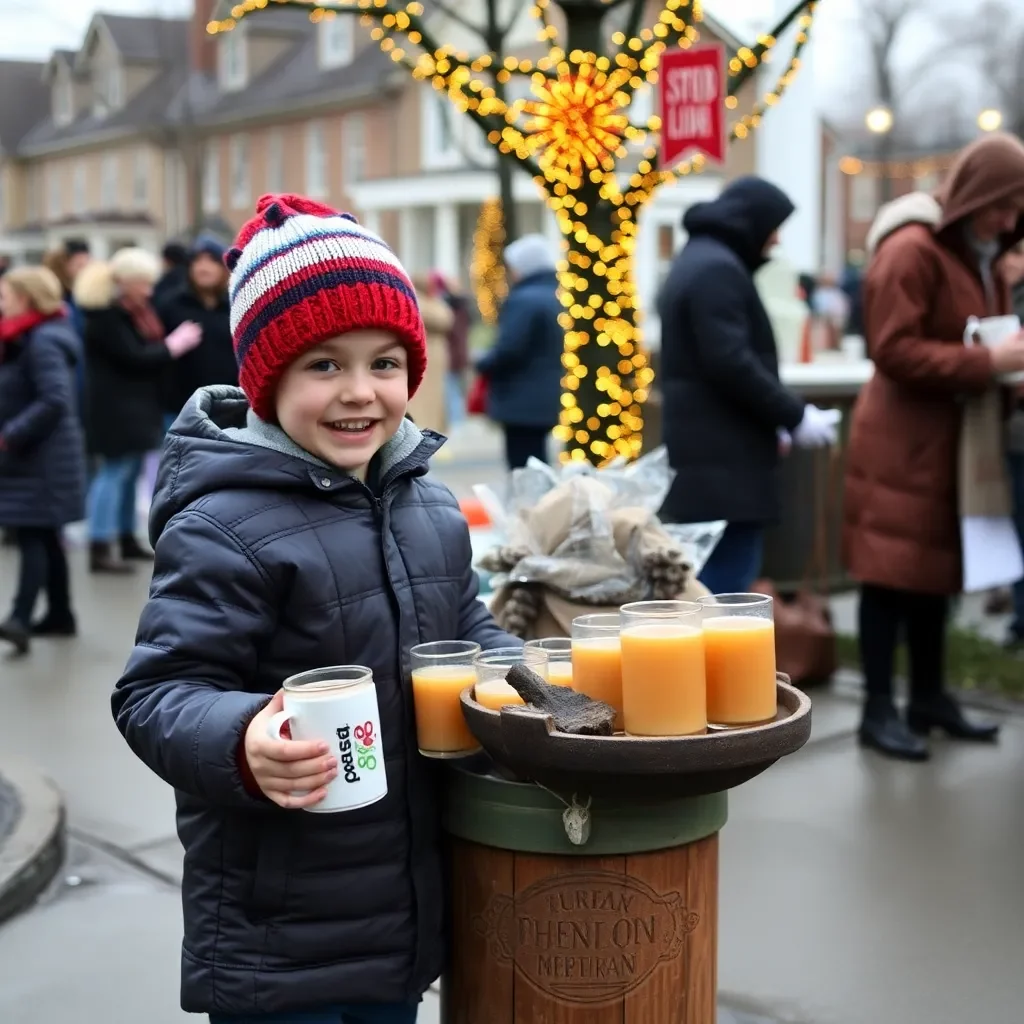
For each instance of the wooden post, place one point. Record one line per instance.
(576, 938)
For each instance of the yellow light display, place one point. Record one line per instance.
(573, 135)
(488, 268)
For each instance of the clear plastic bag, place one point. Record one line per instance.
(592, 535)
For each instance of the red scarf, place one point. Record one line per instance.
(13, 327)
(144, 317)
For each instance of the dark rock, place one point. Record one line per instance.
(572, 712)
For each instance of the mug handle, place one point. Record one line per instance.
(277, 723)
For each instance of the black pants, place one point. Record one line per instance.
(43, 567)
(885, 614)
(522, 442)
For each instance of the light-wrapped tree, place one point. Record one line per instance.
(572, 132)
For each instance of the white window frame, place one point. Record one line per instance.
(239, 168)
(54, 203)
(63, 100)
(211, 177)
(353, 139)
(317, 185)
(32, 197)
(233, 59)
(336, 41)
(79, 200)
(140, 179)
(115, 86)
(109, 174)
(275, 161)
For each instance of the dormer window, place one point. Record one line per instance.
(234, 60)
(63, 99)
(108, 89)
(337, 42)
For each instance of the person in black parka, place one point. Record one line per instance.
(42, 453)
(127, 352)
(524, 366)
(725, 408)
(296, 527)
(203, 300)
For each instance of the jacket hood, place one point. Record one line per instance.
(987, 171)
(218, 443)
(914, 208)
(744, 217)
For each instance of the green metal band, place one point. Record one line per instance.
(525, 818)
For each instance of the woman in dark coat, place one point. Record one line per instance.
(42, 455)
(202, 299)
(126, 356)
(725, 407)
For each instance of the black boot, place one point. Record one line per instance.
(942, 712)
(133, 551)
(103, 559)
(16, 633)
(883, 730)
(55, 625)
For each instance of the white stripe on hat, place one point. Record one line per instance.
(298, 254)
(271, 241)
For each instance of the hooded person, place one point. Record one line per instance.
(935, 261)
(724, 405)
(524, 366)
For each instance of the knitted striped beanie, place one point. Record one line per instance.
(302, 273)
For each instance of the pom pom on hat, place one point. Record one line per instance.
(302, 273)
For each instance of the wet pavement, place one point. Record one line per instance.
(853, 890)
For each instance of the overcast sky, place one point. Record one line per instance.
(31, 29)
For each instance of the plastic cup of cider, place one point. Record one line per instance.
(663, 684)
(559, 651)
(491, 690)
(597, 659)
(739, 655)
(440, 672)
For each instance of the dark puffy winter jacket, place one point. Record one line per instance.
(268, 563)
(42, 453)
(723, 401)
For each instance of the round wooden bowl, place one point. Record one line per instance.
(526, 744)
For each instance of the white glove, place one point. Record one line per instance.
(818, 427)
(183, 339)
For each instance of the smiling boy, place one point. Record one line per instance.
(294, 528)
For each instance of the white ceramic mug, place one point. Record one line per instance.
(339, 707)
(990, 331)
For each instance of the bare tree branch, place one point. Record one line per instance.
(737, 81)
(459, 19)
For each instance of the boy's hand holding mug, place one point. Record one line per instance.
(292, 773)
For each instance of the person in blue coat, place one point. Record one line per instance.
(42, 451)
(524, 366)
(295, 526)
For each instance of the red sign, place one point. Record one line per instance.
(691, 103)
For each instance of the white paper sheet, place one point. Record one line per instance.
(991, 552)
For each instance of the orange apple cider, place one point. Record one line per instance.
(560, 673)
(663, 688)
(597, 671)
(496, 694)
(739, 655)
(440, 725)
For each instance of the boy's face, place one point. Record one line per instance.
(344, 398)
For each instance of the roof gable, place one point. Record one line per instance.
(24, 100)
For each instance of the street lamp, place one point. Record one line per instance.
(990, 120)
(879, 120)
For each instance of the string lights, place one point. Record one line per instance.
(488, 269)
(924, 167)
(573, 134)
